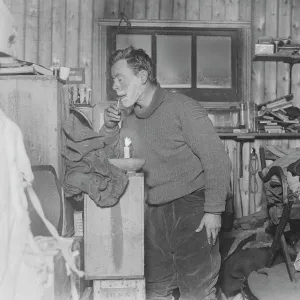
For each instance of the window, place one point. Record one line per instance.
(202, 63)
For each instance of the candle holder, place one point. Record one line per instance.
(130, 165)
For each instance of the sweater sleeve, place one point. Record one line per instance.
(200, 135)
(112, 138)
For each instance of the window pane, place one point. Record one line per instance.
(142, 41)
(174, 61)
(213, 62)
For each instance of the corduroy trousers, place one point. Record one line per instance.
(175, 255)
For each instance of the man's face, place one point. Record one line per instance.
(127, 85)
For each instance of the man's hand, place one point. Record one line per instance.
(112, 116)
(212, 223)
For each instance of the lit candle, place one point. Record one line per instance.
(126, 148)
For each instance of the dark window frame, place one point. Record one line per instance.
(211, 95)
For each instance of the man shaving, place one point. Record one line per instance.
(187, 173)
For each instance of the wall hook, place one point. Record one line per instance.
(125, 19)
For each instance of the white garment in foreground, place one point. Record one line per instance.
(21, 277)
(15, 173)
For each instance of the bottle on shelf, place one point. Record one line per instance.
(243, 116)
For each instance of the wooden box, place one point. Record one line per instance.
(39, 105)
(119, 289)
(114, 236)
(261, 49)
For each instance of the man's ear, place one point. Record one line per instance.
(143, 74)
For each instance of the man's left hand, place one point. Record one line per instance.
(212, 223)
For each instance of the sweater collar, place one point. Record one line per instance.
(146, 112)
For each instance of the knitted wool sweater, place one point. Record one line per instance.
(183, 152)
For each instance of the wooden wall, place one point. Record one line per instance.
(68, 30)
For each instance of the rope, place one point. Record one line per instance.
(253, 170)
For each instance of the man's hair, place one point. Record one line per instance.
(137, 60)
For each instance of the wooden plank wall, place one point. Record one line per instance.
(67, 29)
(63, 29)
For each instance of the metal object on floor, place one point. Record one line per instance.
(246, 292)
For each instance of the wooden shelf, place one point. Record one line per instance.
(254, 135)
(82, 105)
(27, 76)
(289, 59)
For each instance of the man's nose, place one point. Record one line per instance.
(115, 85)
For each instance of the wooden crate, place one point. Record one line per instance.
(114, 237)
(39, 105)
(119, 289)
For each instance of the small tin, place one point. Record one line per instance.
(82, 95)
(88, 95)
(261, 49)
(76, 98)
(71, 92)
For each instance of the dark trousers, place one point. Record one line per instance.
(176, 255)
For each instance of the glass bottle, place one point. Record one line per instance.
(243, 115)
(252, 117)
(88, 94)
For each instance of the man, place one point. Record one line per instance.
(187, 172)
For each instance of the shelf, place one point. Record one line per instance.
(252, 136)
(289, 59)
(82, 105)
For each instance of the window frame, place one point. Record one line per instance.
(246, 53)
(232, 94)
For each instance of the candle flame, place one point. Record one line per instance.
(127, 142)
